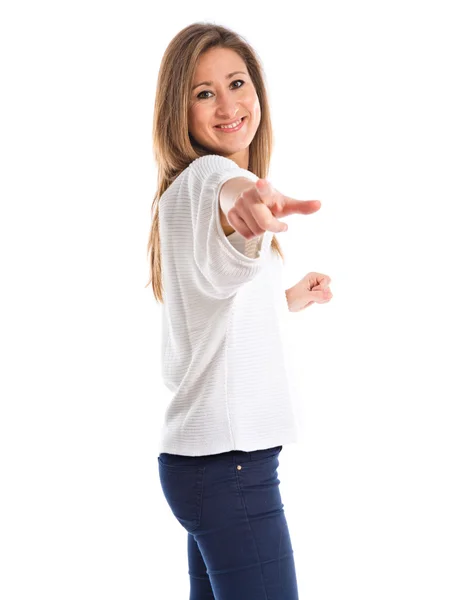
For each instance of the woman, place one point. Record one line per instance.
(216, 269)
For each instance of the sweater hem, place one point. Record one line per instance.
(218, 448)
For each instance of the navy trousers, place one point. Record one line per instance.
(239, 546)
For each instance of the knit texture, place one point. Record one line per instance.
(223, 356)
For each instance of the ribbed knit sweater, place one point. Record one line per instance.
(223, 356)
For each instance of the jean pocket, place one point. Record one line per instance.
(182, 487)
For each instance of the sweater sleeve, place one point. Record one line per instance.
(223, 268)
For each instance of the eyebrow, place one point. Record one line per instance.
(210, 82)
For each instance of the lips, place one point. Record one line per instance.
(230, 123)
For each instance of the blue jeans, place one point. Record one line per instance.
(239, 546)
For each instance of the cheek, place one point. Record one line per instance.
(197, 118)
(254, 107)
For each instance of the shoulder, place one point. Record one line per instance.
(213, 162)
(201, 170)
(216, 166)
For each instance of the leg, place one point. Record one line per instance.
(243, 535)
(199, 579)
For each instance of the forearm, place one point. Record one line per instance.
(229, 191)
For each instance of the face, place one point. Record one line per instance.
(224, 96)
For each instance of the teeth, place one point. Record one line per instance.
(230, 126)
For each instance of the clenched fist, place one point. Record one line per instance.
(313, 287)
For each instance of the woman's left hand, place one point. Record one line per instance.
(313, 287)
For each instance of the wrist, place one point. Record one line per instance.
(288, 294)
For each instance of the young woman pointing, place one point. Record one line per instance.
(216, 268)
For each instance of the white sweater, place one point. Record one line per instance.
(222, 317)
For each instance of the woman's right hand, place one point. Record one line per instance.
(258, 209)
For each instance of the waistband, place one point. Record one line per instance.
(233, 456)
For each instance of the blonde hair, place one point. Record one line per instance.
(173, 146)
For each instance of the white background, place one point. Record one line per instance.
(368, 111)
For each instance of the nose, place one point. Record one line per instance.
(226, 106)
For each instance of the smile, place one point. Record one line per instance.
(236, 126)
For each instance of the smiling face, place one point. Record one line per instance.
(225, 96)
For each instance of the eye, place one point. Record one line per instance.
(207, 91)
(203, 97)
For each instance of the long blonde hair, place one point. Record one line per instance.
(173, 146)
